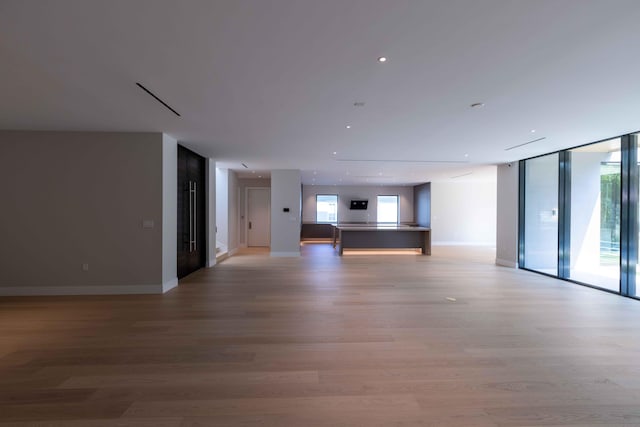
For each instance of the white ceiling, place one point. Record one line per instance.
(271, 83)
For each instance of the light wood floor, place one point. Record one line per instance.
(327, 341)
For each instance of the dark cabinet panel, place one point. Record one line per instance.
(191, 212)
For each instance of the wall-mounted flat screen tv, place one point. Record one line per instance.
(359, 205)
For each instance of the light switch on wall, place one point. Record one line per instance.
(148, 223)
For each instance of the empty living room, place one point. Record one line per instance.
(356, 213)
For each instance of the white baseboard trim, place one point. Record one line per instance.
(233, 251)
(506, 263)
(211, 263)
(84, 290)
(243, 245)
(169, 284)
(285, 254)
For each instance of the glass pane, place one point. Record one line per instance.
(327, 208)
(595, 214)
(541, 214)
(388, 209)
(637, 290)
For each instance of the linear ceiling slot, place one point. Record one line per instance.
(460, 176)
(402, 161)
(158, 99)
(526, 143)
(245, 166)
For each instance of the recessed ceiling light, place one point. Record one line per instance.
(314, 172)
(533, 131)
(348, 126)
(253, 171)
(380, 173)
(335, 152)
(477, 104)
(259, 176)
(466, 155)
(382, 59)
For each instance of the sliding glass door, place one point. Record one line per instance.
(541, 214)
(580, 215)
(595, 214)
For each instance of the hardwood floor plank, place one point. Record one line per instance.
(296, 405)
(42, 395)
(104, 422)
(245, 378)
(60, 411)
(321, 341)
(566, 415)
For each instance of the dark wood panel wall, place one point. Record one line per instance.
(191, 212)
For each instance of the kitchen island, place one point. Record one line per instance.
(383, 236)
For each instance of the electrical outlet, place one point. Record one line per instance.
(85, 267)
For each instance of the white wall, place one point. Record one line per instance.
(346, 193)
(285, 226)
(507, 215)
(463, 213)
(233, 213)
(222, 209)
(74, 198)
(169, 212)
(211, 211)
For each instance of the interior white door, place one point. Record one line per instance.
(258, 216)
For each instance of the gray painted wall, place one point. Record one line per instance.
(348, 192)
(422, 204)
(74, 198)
(285, 226)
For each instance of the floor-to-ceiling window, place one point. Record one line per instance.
(580, 214)
(541, 214)
(635, 252)
(595, 214)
